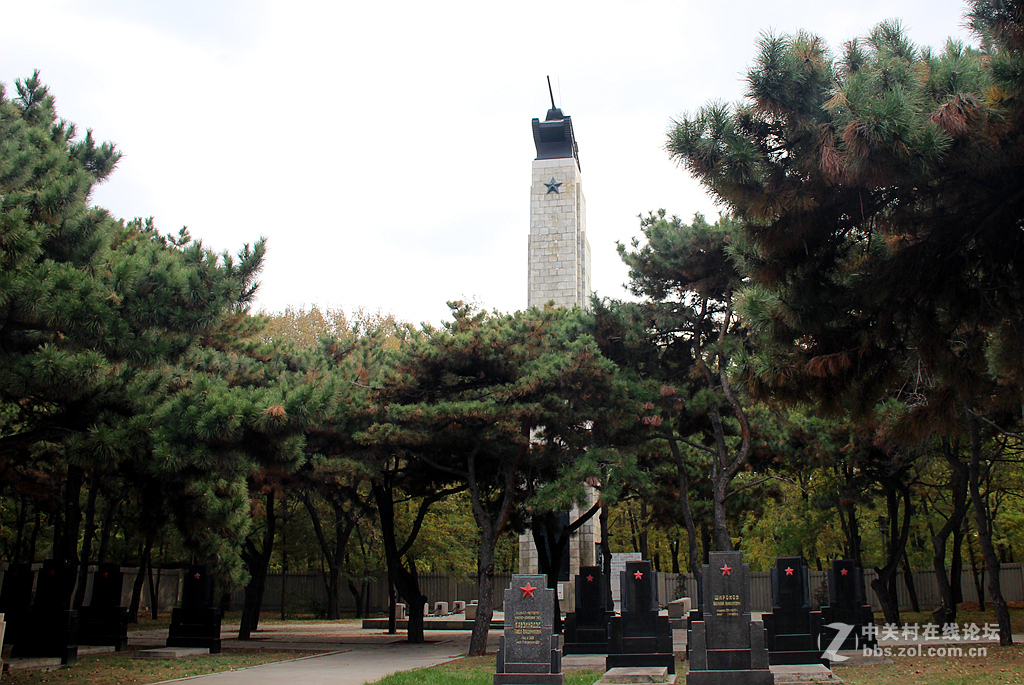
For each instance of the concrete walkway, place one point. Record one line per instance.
(356, 656)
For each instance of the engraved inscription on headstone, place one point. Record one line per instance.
(529, 652)
(726, 647)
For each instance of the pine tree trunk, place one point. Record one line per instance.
(258, 561)
(908, 580)
(984, 526)
(65, 547)
(90, 531)
(945, 614)
(140, 581)
(405, 581)
(485, 594)
(885, 584)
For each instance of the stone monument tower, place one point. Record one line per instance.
(559, 253)
(559, 271)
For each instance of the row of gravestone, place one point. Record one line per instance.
(48, 627)
(725, 646)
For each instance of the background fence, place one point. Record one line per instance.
(306, 593)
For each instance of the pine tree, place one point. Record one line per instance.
(476, 399)
(879, 192)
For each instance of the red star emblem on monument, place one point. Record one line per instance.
(638, 575)
(106, 574)
(843, 571)
(527, 591)
(789, 571)
(727, 570)
(590, 579)
(196, 576)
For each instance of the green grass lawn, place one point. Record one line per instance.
(121, 667)
(1002, 666)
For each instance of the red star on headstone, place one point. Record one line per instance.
(789, 571)
(843, 571)
(106, 574)
(590, 579)
(196, 576)
(727, 570)
(527, 591)
(638, 575)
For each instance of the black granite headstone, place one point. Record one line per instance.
(196, 623)
(586, 629)
(846, 605)
(639, 636)
(16, 598)
(51, 629)
(529, 652)
(105, 621)
(726, 647)
(793, 631)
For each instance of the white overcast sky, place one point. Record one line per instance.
(384, 148)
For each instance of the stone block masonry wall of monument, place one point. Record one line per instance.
(559, 253)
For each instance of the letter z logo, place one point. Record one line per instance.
(843, 630)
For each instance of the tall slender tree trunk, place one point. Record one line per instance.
(405, 581)
(684, 507)
(885, 584)
(89, 533)
(65, 544)
(945, 614)
(140, 580)
(258, 561)
(988, 550)
(908, 580)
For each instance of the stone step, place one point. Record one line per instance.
(803, 674)
(172, 652)
(31, 664)
(637, 676)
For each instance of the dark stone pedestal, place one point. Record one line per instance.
(49, 633)
(586, 629)
(639, 636)
(726, 647)
(528, 652)
(103, 626)
(15, 599)
(793, 631)
(196, 623)
(105, 621)
(50, 628)
(847, 605)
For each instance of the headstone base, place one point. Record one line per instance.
(585, 639)
(648, 660)
(529, 679)
(737, 666)
(195, 628)
(634, 651)
(103, 626)
(637, 676)
(730, 678)
(49, 633)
